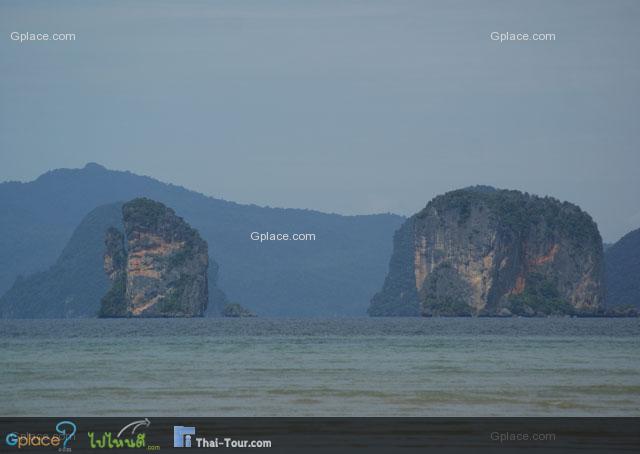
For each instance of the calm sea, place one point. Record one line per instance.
(341, 367)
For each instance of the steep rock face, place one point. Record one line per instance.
(481, 251)
(113, 304)
(115, 257)
(158, 267)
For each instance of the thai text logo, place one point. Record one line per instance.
(125, 438)
(108, 440)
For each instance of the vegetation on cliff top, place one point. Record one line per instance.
(517, 211)
(144, 214)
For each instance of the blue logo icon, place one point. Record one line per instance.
(182, 436)
(68, 430)
(12, 439)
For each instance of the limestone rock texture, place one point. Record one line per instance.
(158, 266)
(482, 251)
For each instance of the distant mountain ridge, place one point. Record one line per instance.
(332, 276)
(75, 278)
(622, 261)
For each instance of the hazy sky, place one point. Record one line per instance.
(351, 107)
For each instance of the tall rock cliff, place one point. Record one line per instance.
(158, 267)
(482, 251)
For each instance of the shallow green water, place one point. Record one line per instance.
(366, 367)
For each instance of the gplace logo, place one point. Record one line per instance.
(65, 431)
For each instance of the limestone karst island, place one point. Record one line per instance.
(158, 266)
(486, 252)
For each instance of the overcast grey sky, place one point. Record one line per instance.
(350, 107)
